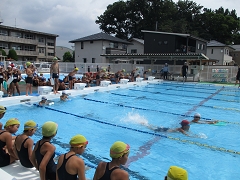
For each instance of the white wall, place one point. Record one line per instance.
(136, 45)
(90, 51)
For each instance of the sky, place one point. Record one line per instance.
(71, 19)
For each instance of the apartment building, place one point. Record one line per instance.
(29, 45)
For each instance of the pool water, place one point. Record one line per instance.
(211, 152)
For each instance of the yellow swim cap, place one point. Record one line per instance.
(76, 69)
(28, 63)
(177, 173)
(49, 129)
(2, 109)
(12, 121)
(123, 70)
(30, 125)
(78, 141)
(118, 149)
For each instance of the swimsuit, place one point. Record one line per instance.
(54, 75)
(23, 155)
(161, 129)
(51, 166)
(107, 173)
(70, 78)
(1, 78)
(4, 157)
(62, 172)
(15, 78)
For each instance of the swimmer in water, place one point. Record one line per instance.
(197, 118)
(185, 125)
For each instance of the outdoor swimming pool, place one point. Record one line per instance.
(104, 118)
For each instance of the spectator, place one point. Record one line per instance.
(184, 71)
(2, 113)
(165, 71)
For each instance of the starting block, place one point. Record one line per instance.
(124, 81)
(79, 86)
(44, 90)
(105, 83)
(139, 79)
(151, 78)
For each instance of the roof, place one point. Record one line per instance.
(176, 34)
(159, 55)
(236, 47)
(100, 36)
(141, 41)
(26, 30)
(214, 43)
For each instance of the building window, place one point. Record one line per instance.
(82, 45)
(41, 39)
(41, 50)
(203, 47)
(91, 42)
(3, 32)
(16, 34)
(29, 48)
(93, 60)
(50, 54)
(133, 51)
(113, 45)
(50, 44)
(3, 46)
(85, 60)
(212, 51)
(29, 36)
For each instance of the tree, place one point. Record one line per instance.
(67, 57)
(3, 52)
(12, 54)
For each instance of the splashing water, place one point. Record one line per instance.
(135, 118)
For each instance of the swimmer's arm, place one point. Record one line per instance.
(9, 144)
(81, 169)
(1, 126)
(182, 131)
(33, 158)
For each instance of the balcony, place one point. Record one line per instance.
(26, 53)
(18, 40)
(115, 51)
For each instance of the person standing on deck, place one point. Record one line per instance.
(54, 73)
(29, 80)
(184, 71)
(165, 71)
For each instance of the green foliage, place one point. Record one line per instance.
(126, 19)
(3, 52)
(12, 54)
(67, 57)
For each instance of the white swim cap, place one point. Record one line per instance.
(197, 115)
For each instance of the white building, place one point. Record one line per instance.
(88, 49)
(219, 51)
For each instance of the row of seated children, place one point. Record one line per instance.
(69, 166)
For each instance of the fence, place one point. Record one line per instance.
(196, 73)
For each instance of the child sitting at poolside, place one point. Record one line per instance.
(44, 152)
(23, 144)
(7, 155)
(70, 166)
(111, 170)
(176, 173)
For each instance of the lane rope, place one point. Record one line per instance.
(216, 107)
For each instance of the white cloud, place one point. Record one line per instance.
(70, 19)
